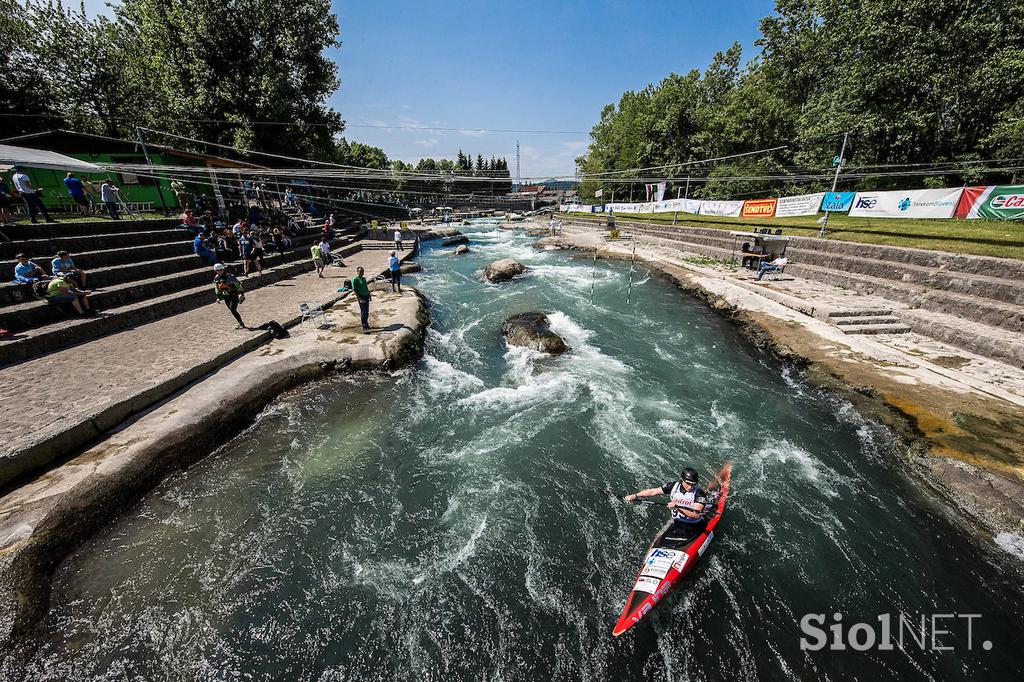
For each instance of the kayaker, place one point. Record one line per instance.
(687, 500)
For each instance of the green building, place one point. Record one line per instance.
(136, 189)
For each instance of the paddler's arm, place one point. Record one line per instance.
(650, 492)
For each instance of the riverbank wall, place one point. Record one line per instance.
(962, 436)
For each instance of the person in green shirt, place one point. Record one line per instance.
(230, 290)
(60, 290)
(362, 292)
(318, 259)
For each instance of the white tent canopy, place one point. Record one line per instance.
(40, 158)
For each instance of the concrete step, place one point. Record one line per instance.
(36, 313)
(23, 231)
(861, 312)
(856, 321)
(983, 310)
(998, 344)
(74, 330)
(40, 248)
(876, 329)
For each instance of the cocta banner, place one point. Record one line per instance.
(837, 202)
(998, 202)
(727, 209)
(914, 203)
(758, 208)
(804, 204)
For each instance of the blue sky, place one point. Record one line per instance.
(514, 65)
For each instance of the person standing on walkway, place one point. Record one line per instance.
(108, 194)
(90, 194)
(395, 268)
(29, 194)
(318, 259)
(229, 290)
(362, 292)
(398, 239)
(6, 201)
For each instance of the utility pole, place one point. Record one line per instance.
(519, 180)
(145, 153)
(835, 181)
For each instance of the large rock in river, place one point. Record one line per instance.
(458, 239)
(533, 330)
(503, 270)
(461, 250)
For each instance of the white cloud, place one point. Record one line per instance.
(429, 142)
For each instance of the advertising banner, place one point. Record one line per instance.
(996, 202)
(804, 204)
(758, 208)
(914, 203)
(727, 209)
(564, 208)
(837, 202)
(667, 206)
(691, 205)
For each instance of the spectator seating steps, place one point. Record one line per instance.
(22, 231)
(69, 331)
(137, 276)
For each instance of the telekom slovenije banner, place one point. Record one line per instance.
(998, 202)
(914, 203)
(727, 209)
(804, 204)
(758, 208)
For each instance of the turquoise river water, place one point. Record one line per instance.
(452, 521)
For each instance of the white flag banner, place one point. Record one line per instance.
(691, 205)
(913, 203)
(660, 194)
(727, 209)
(804, 204)
(599, 193)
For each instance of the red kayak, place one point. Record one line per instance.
(670, 559)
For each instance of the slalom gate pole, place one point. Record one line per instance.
(632, 260)
(593, 276)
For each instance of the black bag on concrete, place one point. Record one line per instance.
(275, 329)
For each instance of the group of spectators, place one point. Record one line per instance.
(83, 193)
(65, 286)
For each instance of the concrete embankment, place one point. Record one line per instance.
(963, 430)
(46, 518)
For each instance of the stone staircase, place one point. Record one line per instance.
(139, 271)
(933, 292)
(866, 321)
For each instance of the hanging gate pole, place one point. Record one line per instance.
(632, 260)
(593, 275)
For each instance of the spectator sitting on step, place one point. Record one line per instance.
(60, 291)
(775, 265)
(327, 231)
(27, 272)
(748, 258)
(189, 222)
(289, 197)
(200, 248)
(64, 266)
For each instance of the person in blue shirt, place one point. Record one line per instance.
(77, 192)
(27, 272)
(199, 246)
(395, 268)
(64, 266)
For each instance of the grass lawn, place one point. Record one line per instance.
(19, 219)
(999, 238)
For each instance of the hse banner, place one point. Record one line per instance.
(914, 203)
(837, 202)
(758, 208)
(727, 209)
(998, 202)
(804, 204)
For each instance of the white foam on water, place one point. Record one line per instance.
(442, 378)
(1012, 543)
(780, 457)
